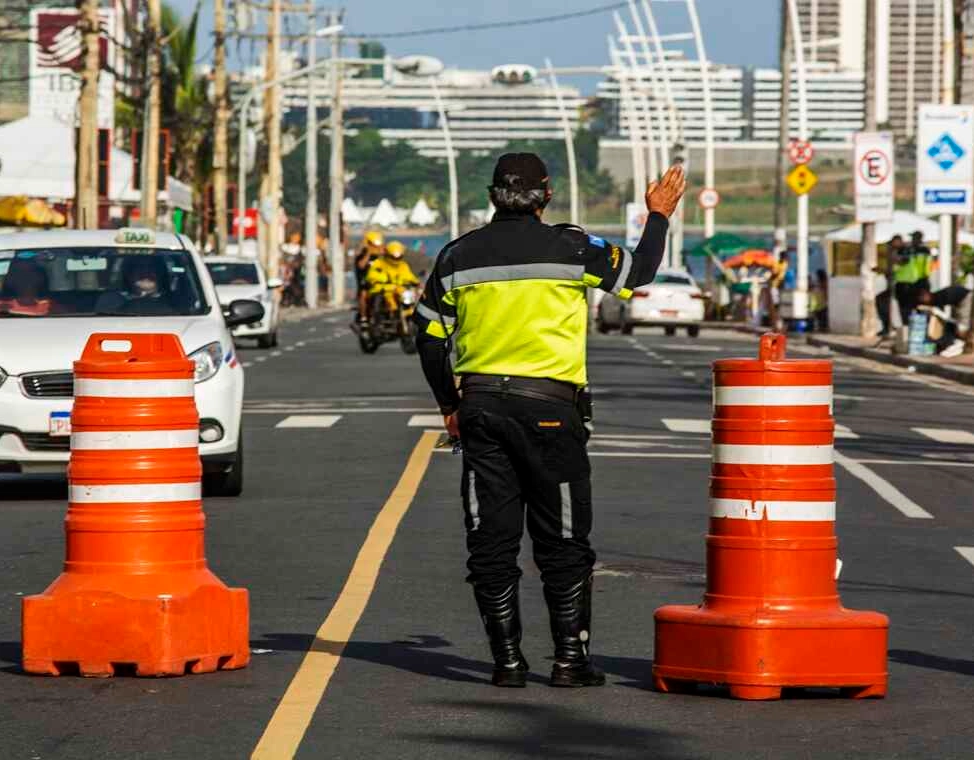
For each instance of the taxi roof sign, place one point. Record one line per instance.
(135, 236)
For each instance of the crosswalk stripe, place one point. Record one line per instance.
(946, 435)
(686, 426)
(309, 421)
(426, 421)
(841, 431)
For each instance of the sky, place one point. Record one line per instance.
(742, 32)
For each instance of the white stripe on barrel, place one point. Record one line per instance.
(100, 440)
(135, 493)
(760, 454)
(147, 388)
(796, 511)
(773, 395)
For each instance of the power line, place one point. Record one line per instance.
(492, 24)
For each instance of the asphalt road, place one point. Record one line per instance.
(412, 680)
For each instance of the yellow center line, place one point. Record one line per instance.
(293, 715)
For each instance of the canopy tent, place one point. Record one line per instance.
(422, 215)
(351, 213)
(903, 223)
(386, 215)
(37, 160)
(723, 245)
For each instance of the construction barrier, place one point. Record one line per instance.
(771, 616)
(136, 594)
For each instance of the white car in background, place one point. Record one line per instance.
(672, 300)
(236, 278)
(59, 287)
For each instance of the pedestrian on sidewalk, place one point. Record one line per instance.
(513, 295)
(896, 256)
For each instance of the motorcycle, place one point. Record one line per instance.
(390, 319)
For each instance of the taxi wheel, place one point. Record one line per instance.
(669, 330)
(229, 482)
(693, 331)
(627, 328)
(267, 341)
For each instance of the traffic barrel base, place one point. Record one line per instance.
(136, 594)
(771, 617)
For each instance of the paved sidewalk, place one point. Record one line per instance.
(959, 369)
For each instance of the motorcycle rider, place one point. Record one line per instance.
(389, 274)
(373, 246)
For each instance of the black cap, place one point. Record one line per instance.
(521, 171)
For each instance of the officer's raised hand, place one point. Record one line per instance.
(664, 196)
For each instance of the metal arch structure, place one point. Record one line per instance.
(627, 104)
(639, 95)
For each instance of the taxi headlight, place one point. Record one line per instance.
(207, 360)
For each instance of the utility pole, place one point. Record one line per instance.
(784, 134)
(150, 136)
(220, 148)
(86, 156)
(311, 173)
(800, 295)
(272, 181)
(336, 168)
(869, 323)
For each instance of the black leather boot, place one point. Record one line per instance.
(571, 625)
(501, 614)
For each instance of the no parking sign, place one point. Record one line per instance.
(875, 177)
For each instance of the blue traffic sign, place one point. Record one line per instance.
(939, 196)
(945, 152)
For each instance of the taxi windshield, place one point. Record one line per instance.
(99, 282)
(224, 273)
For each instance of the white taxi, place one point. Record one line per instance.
(59, 287)
(236, 277)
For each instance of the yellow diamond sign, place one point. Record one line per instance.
(802, 179)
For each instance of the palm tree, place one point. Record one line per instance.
(186, 109)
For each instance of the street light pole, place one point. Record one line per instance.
(800, 303)
(336, 168)
(663, 143)
(628, 106)
(451, 158)
(566, 129)
(708, 107)
(311, 174)
(946, 247)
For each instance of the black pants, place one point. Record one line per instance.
(523, 454)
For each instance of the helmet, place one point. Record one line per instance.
(374, 239)
(396, 249)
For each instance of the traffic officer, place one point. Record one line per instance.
(513, 295)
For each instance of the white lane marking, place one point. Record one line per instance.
(134, 493)
(967, 552)
(300, 343)
(913, 462)
(275, 353)
(758, 454)
(646, 455)
(841, 431)
(260, 359)
(687, 426)
(289, 348)
(687, 373)
(309, 421)
(847, 397)
(773, 395)
(946, 435)
(712, 349)
(646, 444)
(135, 439)
(667, 362)
(623, 437)
(312, 329)
(248, 364)
(884, 488)
(426, 420)
(798, 511)
(148, 388)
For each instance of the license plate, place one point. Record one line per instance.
(59, 424)
(669, 312)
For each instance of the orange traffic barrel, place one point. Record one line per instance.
(771, 617)
(136, 594)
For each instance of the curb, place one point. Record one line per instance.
(925, 367)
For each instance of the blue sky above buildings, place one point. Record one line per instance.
(742, 32)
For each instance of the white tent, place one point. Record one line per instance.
(37, 160)
(422, 215)
(903, 223)
(386, 215)
(351, 213)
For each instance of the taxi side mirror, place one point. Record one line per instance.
(243, 311)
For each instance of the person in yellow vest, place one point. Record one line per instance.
(390, 274)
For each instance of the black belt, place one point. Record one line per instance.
(530, 387)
